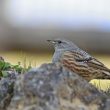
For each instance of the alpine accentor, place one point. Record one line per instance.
(78, 61)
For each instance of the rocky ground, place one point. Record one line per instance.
(50, 87)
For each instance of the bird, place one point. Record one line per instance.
(70, 56)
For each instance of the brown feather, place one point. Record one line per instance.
(90, 69)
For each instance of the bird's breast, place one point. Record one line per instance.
(57, 56)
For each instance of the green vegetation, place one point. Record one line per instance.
(6, 66)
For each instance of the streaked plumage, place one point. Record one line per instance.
(89, 69)
(77, 60)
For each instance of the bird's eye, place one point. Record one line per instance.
(59, 42)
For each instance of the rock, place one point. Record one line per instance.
(6, 89)
(52, 87)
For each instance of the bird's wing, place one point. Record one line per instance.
(77, 56)
(97, 64)
(88, 62)
(73, 61)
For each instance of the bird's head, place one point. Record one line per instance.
(61, 44)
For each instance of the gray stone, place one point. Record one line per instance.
(52, 87)
(6, 89)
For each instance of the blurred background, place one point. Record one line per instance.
(25, 25)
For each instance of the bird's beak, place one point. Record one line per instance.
(52, 41)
